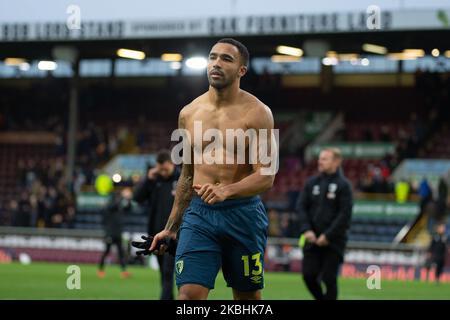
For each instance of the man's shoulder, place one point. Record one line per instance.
(253, 102)
(188, 109)
(193, 106)
(344, 181)
(257, 113)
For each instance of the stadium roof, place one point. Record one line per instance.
(340, 32)
(260, 45)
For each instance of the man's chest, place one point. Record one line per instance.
(221, 128)
(223, 119)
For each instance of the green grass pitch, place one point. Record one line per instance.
(48, 281)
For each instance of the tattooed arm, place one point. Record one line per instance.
(183, 196)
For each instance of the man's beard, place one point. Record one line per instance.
(221, 84)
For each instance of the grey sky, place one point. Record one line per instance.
(55, 10)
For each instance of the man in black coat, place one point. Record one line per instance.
(157, 192)
(437, 251)
(118, 205)
(325, 209)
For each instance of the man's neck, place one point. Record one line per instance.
(225, 96)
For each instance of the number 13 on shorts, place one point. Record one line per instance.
(257, 267)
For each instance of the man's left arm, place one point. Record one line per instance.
(342, 221)
(264, 171)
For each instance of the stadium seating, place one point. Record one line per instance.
(10, 156)
(375, 229)
(439, 147)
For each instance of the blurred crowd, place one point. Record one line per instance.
(95, 146)
(44, 200)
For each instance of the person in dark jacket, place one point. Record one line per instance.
(325, 209)
(157, 192)
(119, 204)
(437, 251)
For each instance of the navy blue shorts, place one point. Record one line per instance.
(231, 235)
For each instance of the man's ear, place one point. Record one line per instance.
(242, 71)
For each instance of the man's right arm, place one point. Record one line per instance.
(183, 196)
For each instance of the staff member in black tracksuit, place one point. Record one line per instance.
(118, 205)
(437, 251)
(157, 191)
(325, 209)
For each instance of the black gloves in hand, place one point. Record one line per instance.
(145, 245)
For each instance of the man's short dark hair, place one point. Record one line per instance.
(245, 56)
(163, 156)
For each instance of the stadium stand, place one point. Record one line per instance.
(140, 121)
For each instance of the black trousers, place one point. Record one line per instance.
(109, 241)
(321, 266)
(439, 267)
(166, 269)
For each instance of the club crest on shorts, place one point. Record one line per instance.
(179, 266)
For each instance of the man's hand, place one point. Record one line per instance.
(310, 236)
(322, 241)
(159, 245)
(211, 193)
(145, 245)
(152, 173)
